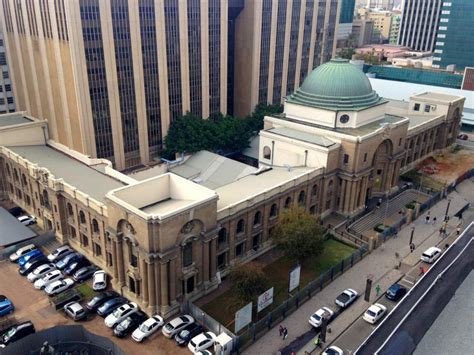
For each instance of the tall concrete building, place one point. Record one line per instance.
(110, 75)
(277, 44)
(346, 17)
(381, 4)
(454, 40)
(7, 103)
(419, 24)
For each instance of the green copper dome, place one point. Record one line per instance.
(336, 85)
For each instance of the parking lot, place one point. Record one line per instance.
(32, 304)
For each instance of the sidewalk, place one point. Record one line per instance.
(380, 264)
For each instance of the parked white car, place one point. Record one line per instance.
(317, 318)
(374, 313)
(333, 350)
(176, 325)
(147, 328)
(346, 298)
(120, 314)
(27, 220)
(50, 277)
(202, 342)
(99, 282)
(60, 252)
(40, 271)
(75, 311)
(431, 255)
(21, 251)
(56, 287)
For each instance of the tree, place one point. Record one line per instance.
(346, 53)
(248, 281)
(298, 234)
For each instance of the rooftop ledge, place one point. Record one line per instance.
(161, 197)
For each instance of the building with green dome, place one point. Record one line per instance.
(166, 234)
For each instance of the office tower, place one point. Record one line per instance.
(278, 42)
(362, 31)
(381, 4)
(382, 23)
(454, 41)
(419, 24)
(395, 28)
(7, 103)
(346, 17)
(110, 75)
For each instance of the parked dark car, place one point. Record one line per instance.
(6, 306)
(395, 292)
(84, 273)
(129, 324)
(100, 299)
(184, 336)
(31, 265)
(16, 211)
(76, 265)
(16, 332)
(35, 253)
(110, 306)
(61, 264)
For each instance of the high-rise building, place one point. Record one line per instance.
(110, 75)
(454, 41)
(382, 23)
(346, 18)
(381, 4)
(277, 44)
(395, 28)
(419, 24)
(362, 29)
(7, 103)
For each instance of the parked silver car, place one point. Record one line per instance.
(75, 311)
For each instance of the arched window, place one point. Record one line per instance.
(314, 191)
(46, 198)
(267, 152)
(240, 226)
(70, 211)
(8, 170)
(82, 217)
(301, 197)
(24, 180)
(288, 202)
(273, 210)
(257, 218)
(15, 174)
(222, 236)
(188, 254)
(95, 226)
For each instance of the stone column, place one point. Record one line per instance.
(114, 258)
(347, 197)
(164, 284)
(172, 291)
(213, 258)
(121, 271)
(158, 283)
(353, 196)
(341, 195)
(144, 278)
(205, 260)
(151, 284)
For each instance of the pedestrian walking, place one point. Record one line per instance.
(441, 232)
(412, 247)
(285, 333)
(458, 231)
(422, 271)
(395, 235)
(377, 290)
(317, 342)
(434, 220)
(280, 330)
(427, 218)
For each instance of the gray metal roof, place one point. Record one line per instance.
(11, 120)
(74, 172)
(302, 136)
(12, 231)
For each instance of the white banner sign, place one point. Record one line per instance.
(265, 299)
(294, 278)
(243, 317)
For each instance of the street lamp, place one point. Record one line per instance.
(411, 236)
(447, 210)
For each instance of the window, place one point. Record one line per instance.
(427, 108)
(314, 191)
(82, 217)
(240, 226)
(257, 218)
(95, 226)
(346, 158)
(301, 198)
(222, 237)
(400, 142)
(23, 180)
(70, 212)
(312, 209)
(288, 202)
(85, 240)
(256, 241)
(365, 157)
(133, 255)
(267, 152)
(344, 119)
(188, 254)
(239, 250)
(108, 259)
(97, 249)
(416, 107)
(222, 260)
(73, 232)
(379, 172)
(273, 211)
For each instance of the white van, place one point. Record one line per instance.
(430, 255)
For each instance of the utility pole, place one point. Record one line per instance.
(447, 210)
(411, 237)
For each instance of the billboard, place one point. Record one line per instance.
(243, 317)
(294, 278)
(265, 299)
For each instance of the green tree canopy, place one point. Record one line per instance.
(298, 234)
(248, 281)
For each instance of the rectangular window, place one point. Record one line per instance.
(221, 261)
(416, 107)
(445, 12)
(365, 157)
(400, 142)
(440, 44)
(239, 250)
(188, 254)
(444, 20)
(346, 158)
(443, 28)
(427, 108)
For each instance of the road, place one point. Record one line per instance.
(405, 327)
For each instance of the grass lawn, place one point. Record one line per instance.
(425, 180)
(223, 307)
(86, 291)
